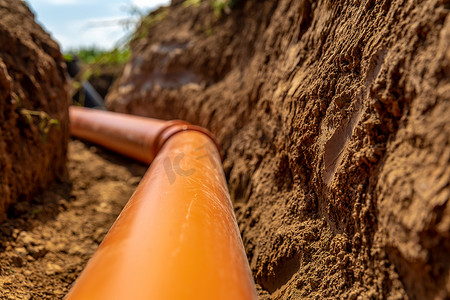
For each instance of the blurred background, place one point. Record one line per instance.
(100, 24)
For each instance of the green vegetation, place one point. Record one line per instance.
(147, 22)
(92, 55)
(154, 18)
(44, 120)
(219, 6)
(195, 3)
(93, 62)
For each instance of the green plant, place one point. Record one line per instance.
(17, 100)
(209, 30)
(194, 3)
(219, 6)
(92, 55)
(147, 22)
(36, 211)
(45, 122)
(68, 57)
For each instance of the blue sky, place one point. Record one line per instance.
(77, 23)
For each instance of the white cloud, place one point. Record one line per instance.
(86, 35)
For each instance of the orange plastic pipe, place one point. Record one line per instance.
(177, 237)
(130, 135)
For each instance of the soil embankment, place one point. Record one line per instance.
(34, 127)
(334, 119)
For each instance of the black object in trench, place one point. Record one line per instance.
(86, 95)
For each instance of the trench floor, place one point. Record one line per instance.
(45, 244)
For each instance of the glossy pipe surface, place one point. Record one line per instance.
(130, 135)
(177, 237)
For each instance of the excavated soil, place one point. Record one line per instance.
(45, 245)
(334, 120)
(34, 104)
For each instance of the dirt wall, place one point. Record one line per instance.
(33, 107)
(334, 120)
